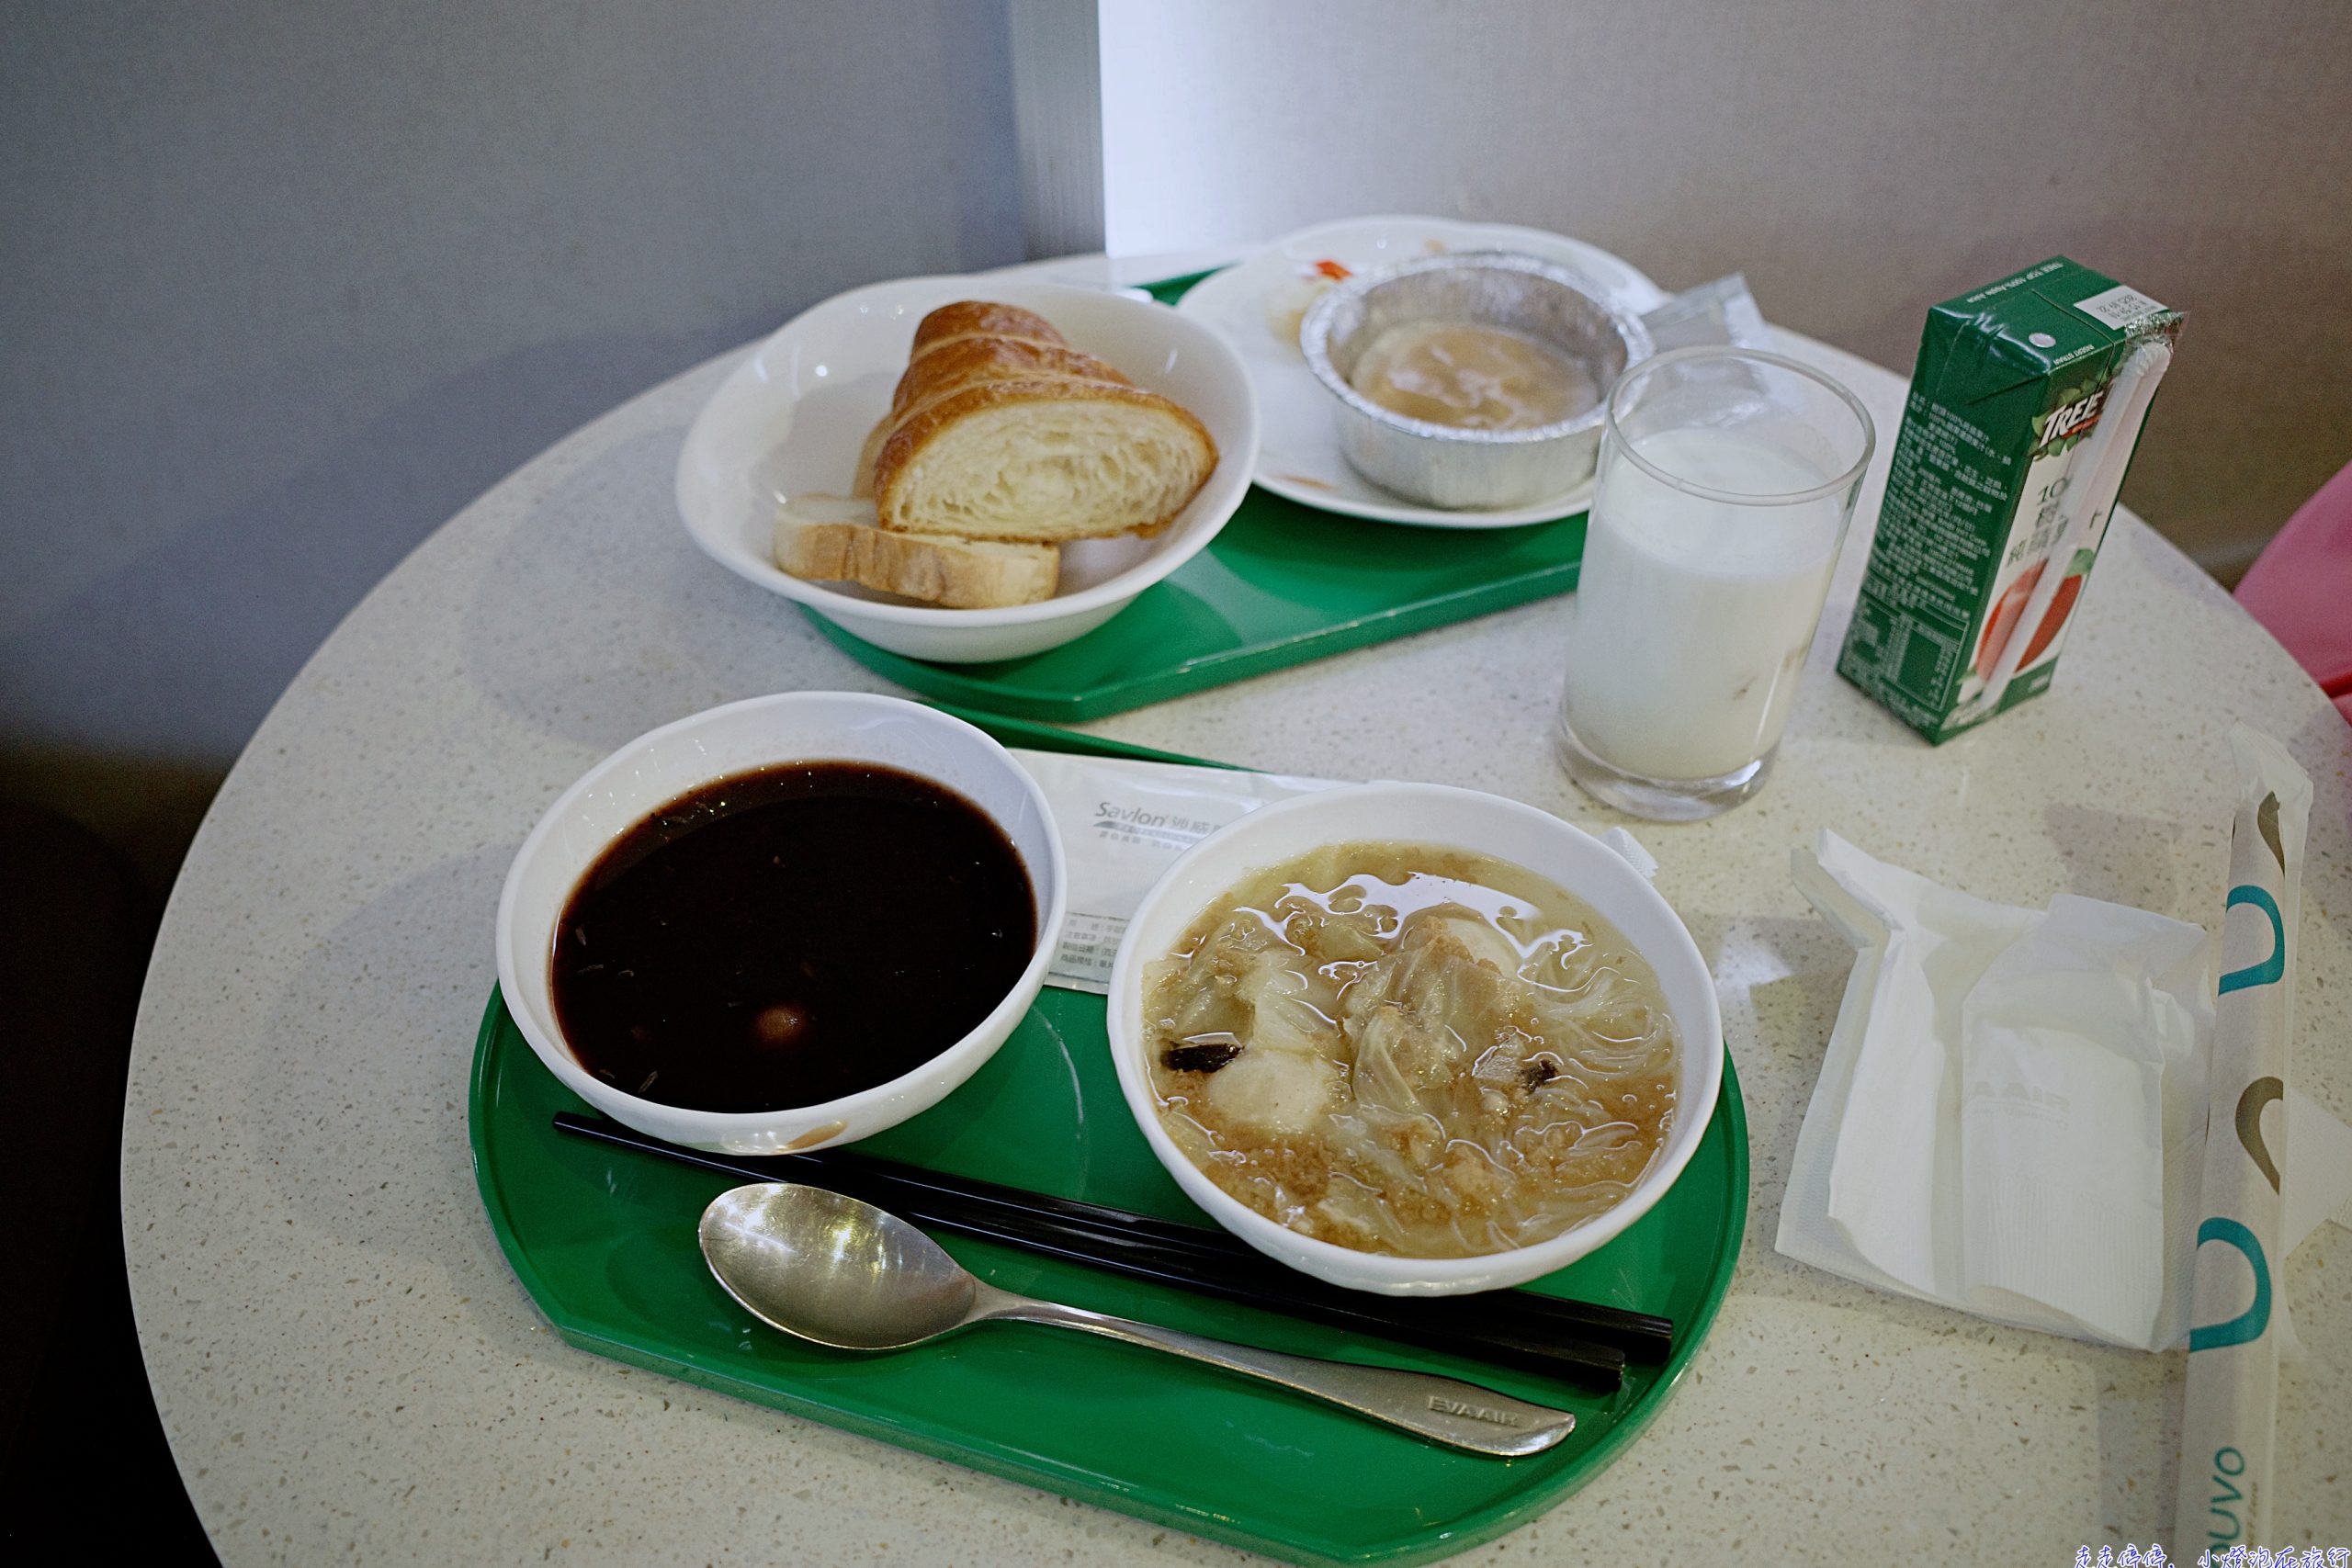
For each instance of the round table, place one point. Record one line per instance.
(347, 1369)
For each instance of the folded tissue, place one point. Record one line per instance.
(2011, 1115)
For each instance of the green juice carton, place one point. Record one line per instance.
(2023, 414)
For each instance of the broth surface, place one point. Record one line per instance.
(1411, 1050)
(788, 936)
(1472, 378)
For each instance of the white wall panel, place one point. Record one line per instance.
(1859, 160)
(284, 283)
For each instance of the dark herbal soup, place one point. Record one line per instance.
(789, 936)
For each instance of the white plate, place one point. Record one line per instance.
(791, 417)
(1299, 451)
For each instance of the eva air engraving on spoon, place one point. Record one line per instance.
(831, 1268)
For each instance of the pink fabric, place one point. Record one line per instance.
(2301, 588)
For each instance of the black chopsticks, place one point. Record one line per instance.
(1579, 1341)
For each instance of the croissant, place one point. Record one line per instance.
(1001, 429)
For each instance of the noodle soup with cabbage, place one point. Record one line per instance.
(1411, 1050)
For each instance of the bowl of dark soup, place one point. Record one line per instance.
(784, 923)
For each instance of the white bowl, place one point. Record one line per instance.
(653, 769)
(791, 417)
(1454, 819)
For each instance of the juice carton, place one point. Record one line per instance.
(2024, 411)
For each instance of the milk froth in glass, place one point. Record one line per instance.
(1726, 482)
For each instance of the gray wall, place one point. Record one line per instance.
(1859, 160)
(284, 283)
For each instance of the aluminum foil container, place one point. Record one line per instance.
(1440, 465)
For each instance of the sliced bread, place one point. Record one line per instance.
(830, 538)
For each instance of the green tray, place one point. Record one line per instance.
(1280, 585)
(603, 1241)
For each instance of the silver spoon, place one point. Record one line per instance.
(842, 1272)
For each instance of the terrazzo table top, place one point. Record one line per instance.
(347, 1370)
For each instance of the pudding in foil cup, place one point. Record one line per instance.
(1551, 349)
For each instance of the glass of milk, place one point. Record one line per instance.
(1728, 477)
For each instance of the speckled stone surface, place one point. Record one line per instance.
(348, 1370)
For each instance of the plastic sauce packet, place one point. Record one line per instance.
(1124, 821)
(1713, 313)
(2229, 1414)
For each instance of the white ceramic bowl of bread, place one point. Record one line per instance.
(791, 420)
(1455, 818)
(654, 769)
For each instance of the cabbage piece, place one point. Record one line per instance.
(1282, 1014)
(1422, 1018)
(1402, 1064)
(1334, 939)
(1354, 1215)
(1479, 939)
(1198, 996)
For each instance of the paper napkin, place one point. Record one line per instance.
(2010, 1113)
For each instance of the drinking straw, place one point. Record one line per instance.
(1583, 1342)
(2128, 396)
(2229, 1416)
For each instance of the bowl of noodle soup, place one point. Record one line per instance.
(1413, 1039)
